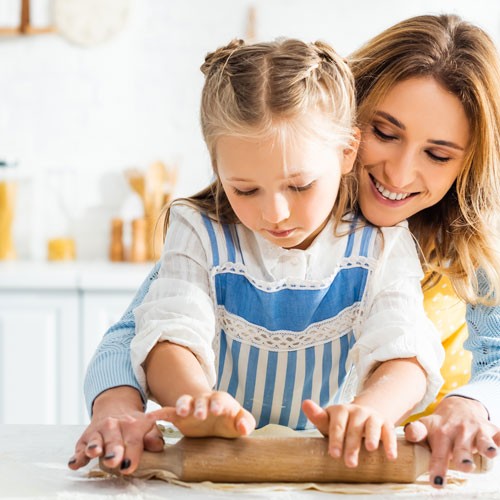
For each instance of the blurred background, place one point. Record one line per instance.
(98, 107)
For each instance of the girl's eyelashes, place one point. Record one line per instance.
(239, 192)
(296, 189)
(303, 188)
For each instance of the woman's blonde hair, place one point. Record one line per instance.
(272, 89)
(458, 235)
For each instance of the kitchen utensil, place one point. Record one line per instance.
(285, 459)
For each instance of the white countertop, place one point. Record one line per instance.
(74, 275)
(33, 465)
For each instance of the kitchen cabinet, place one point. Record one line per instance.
(52, 316)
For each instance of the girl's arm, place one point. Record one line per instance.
(177, 381)
(404, 379)
(396, 357)
(172, 353)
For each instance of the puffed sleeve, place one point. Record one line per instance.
(396, 325)
(178, 307)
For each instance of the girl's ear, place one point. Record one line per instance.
(349, 153)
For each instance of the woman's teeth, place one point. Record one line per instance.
(388, 194)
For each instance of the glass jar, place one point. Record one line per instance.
(8, 187)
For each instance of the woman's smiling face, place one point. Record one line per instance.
(412, 150)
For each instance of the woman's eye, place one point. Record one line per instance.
(238, 192)
(439, 159)
(302, 188)
(381, 134)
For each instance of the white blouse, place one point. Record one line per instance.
(388, 323)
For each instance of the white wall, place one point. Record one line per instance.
(76, 117)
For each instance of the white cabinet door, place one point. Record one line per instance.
(100, 310)
(40, 366)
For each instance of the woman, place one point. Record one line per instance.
(429, 111)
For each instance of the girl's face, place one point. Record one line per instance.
(412, 151)
(285, 194)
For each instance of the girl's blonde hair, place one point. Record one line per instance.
(273, 89)
(458, 235)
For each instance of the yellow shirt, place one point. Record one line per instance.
(447, 312)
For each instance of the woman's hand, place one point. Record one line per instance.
(458, 428)
(347, 425)
(210, 414)
(119, 432)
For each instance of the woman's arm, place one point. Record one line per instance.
(111, 366)
(115, 400)
(468, 418)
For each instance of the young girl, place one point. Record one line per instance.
(271, 299)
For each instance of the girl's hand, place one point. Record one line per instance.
(458, 428)
(347, 424)
(211, 414)
(119, 432)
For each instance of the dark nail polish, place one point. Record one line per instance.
(466, 461)
(438, 480)
(492, 448)
(91, 446)
(125, 464)
(109, 456)
(72, 461)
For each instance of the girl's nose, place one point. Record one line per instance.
(276, 209)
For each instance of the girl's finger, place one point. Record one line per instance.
(200, 407)
(217, 403)
(244, 422)
(352, 441)
(416, 432)
(373, 431)
(389, 441)
(317, 416)
(338, 419)
(184, 405)
(167, 413)
(153, 440)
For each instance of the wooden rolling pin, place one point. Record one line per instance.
(285, 459)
